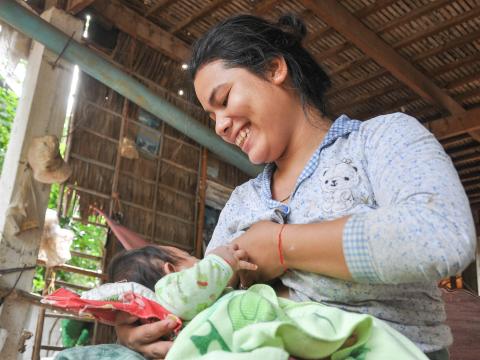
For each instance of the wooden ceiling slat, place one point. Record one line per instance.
(357, 82)
(331, 52)
(138, 27)
(467, 158)
(387, 108)
(436, 29)
(412, 15)
(456, 64)
(206, 10)
(344, 22)
(450, 45)
(462, 81)
(366, 97)
(374, 7)
(400, 21)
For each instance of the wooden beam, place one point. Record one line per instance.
(454, 125)
(139, 28)
(263, 7)
(75, 6)
(338, 17)
(158, 6)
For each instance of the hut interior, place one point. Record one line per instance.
(421, 57)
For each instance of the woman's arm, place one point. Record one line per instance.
(316, 247)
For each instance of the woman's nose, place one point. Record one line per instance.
(223, 125)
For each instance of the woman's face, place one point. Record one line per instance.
(252, 113)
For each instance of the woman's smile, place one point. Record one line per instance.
(242, 137)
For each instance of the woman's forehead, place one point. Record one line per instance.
(209, 76)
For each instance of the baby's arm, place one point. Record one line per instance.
(188, 292)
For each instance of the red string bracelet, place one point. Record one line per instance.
(280, 248)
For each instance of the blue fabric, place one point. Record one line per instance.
(410, 222)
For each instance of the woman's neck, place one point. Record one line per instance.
(307, 137)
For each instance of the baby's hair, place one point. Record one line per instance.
(143, 266)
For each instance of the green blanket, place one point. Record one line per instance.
(256, 324)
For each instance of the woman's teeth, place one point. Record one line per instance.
(242, 136)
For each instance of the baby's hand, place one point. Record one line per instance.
(235, 257)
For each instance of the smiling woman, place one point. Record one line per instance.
(363, 216)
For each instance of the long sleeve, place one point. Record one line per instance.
(188, 292)
(422, 229)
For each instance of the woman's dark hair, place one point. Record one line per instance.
(143, 265)
(251, 42)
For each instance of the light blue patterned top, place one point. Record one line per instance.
(411, 222)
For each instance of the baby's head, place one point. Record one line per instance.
(148, 264)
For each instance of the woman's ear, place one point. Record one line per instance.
(278, 70)
(169, 268)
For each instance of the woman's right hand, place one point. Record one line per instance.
(144, 339)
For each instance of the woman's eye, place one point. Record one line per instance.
(225, 101)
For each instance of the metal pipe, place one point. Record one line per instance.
(40, 30)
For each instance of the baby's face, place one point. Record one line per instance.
(186, 260)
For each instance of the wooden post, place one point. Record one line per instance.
(202, 187)
(41, 110)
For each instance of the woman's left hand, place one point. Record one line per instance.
(260, 242)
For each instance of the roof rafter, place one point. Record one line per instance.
(264, 6)
(338, 17)
(454, 125)
(138, 27)
(75, 6)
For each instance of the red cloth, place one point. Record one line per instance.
(128, 238)
(104, 311)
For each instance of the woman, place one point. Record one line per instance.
(375, 210)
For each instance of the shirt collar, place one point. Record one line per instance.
(341, 127)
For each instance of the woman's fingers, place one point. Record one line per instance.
(148, 333)
(156, 350)
(123, 318)
(145, 338)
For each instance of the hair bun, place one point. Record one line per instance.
(293, 26)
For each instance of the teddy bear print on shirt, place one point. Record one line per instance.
(337, 184)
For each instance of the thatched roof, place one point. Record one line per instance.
(417, 56)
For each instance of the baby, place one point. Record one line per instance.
(255, 323)
(183, 284)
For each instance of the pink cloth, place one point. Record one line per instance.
(105, 311)
(128, 238)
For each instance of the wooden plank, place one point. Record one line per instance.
(263, 7)
(158, 6)
(338, 17)
(138, 27)
(75, 6)
(456, 125)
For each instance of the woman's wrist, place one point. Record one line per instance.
(288, 246)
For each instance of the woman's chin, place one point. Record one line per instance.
(255, 159)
